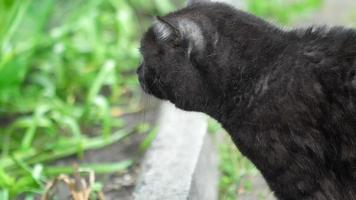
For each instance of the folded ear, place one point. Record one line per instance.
(165, 29)
(180, 29)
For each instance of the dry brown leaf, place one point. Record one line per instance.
(79, 187)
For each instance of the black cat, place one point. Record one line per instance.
(287, 98)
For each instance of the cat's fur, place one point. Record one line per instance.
(287, 98)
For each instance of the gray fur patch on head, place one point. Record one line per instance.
(187, 28)
(191, 31)
(162, 30)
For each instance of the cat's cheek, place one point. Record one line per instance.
(154, 91)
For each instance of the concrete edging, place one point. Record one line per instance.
(181, 163)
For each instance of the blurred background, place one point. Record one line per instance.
(69, 95)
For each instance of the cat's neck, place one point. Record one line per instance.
(249, 60)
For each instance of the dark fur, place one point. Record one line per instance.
(287, 98)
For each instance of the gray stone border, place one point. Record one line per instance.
(181, 163)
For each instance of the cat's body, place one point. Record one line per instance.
(287, 98)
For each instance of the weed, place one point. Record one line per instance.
(66, 74)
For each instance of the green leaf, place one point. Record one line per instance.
(102, 168)
(4, 194)
(5, 179)
(148, 139)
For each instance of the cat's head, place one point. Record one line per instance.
(173, 50)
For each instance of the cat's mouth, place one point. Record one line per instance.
(150, 84)
(153, 89)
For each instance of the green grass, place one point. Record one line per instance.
(282, 11)
(66, 68)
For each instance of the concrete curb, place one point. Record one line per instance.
(181, 163)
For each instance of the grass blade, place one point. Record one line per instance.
(103, 168)
(4, 194)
